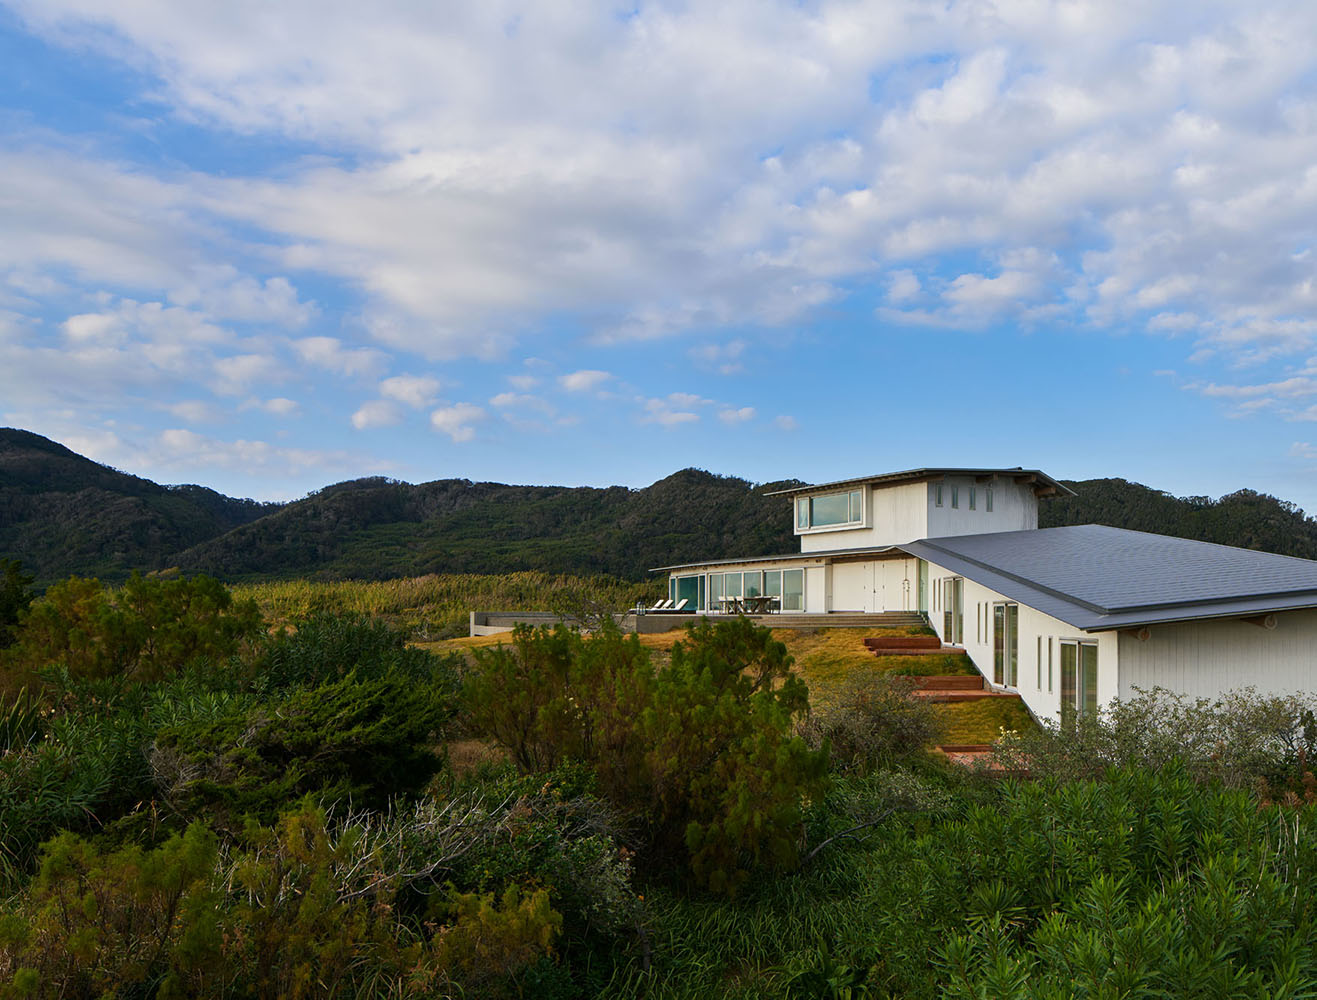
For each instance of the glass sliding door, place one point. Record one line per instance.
(960, 610)
(1079, 679)
(773, 584)
(1006, 644)
(793, 590)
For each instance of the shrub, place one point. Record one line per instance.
(326, 647)
(700, 752)
(871, 721)
(1237, 739)
(15, 598)
(148, 629)
(353, 741)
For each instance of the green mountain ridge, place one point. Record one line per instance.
(61, 513)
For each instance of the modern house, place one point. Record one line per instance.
(1067, 617)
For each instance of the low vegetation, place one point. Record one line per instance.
(198, 799)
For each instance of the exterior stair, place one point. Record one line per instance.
(910, 645)
(954, 687)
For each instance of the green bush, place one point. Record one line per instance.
(701, 752)
(1239, 739)
(326, 647)
(352, 742)
(148, 629)
(15, 598)
(871, 721)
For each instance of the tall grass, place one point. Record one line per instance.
(438, 605)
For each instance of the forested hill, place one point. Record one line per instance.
(61, 513)
(376, 528)
(1245, 518)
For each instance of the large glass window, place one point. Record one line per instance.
(830, 510)
(715, 589)
(772, 583)
(754, 584)
(793, 590)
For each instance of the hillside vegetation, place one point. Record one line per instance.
(197, 802)
(62, 514)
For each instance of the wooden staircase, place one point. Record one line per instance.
(954, 687)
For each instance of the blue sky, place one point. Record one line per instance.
(269, 247)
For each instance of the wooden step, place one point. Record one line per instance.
(945, 682)
(903, 642)
(941, 696)
(920, 651)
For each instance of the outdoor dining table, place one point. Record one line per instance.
(757, 605)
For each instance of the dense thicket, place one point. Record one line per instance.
(282, 817)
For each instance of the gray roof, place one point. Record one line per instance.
(917, 475)
(1095, 577)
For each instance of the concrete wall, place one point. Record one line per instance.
(1014, 507)
(1038, 633)
(1207, 659)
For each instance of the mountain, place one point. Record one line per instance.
(61, 513)
(1245, 518)
(375, 528)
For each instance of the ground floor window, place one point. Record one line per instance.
(1079, 664)
(787, 585)
(1006, 644)
(953, 610)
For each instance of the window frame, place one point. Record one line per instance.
(857, 511)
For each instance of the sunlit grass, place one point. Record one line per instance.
(982, 721)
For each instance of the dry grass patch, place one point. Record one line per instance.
(982, 721)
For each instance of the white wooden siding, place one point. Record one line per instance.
(1207, 659)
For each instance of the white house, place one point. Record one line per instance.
(1069, 616)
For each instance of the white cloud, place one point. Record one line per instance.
(330, 354)
(224, 293)
(417, 391)
(456, 421)
(194, 411)
(722, 358)
(584, 380)
(663, 413)
(376, 413)
(239, 371)
(785, 422)
(736, 416)
(280, 406)
(523, 382)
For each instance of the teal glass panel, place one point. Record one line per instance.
(704, 601)
(688, 589)
(793, 590)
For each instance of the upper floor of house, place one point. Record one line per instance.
(899, 507)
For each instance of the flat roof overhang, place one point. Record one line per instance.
(1040, 480)
(828, 555)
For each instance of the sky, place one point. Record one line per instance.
(268, 247)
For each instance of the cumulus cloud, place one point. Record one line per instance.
(417, 391)
(584, 380)
(237, 373)
(330, 354)
(722, 358)
(667, 412)
(457, 421)
(736, 416)
(784, 422)
(376, 413)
